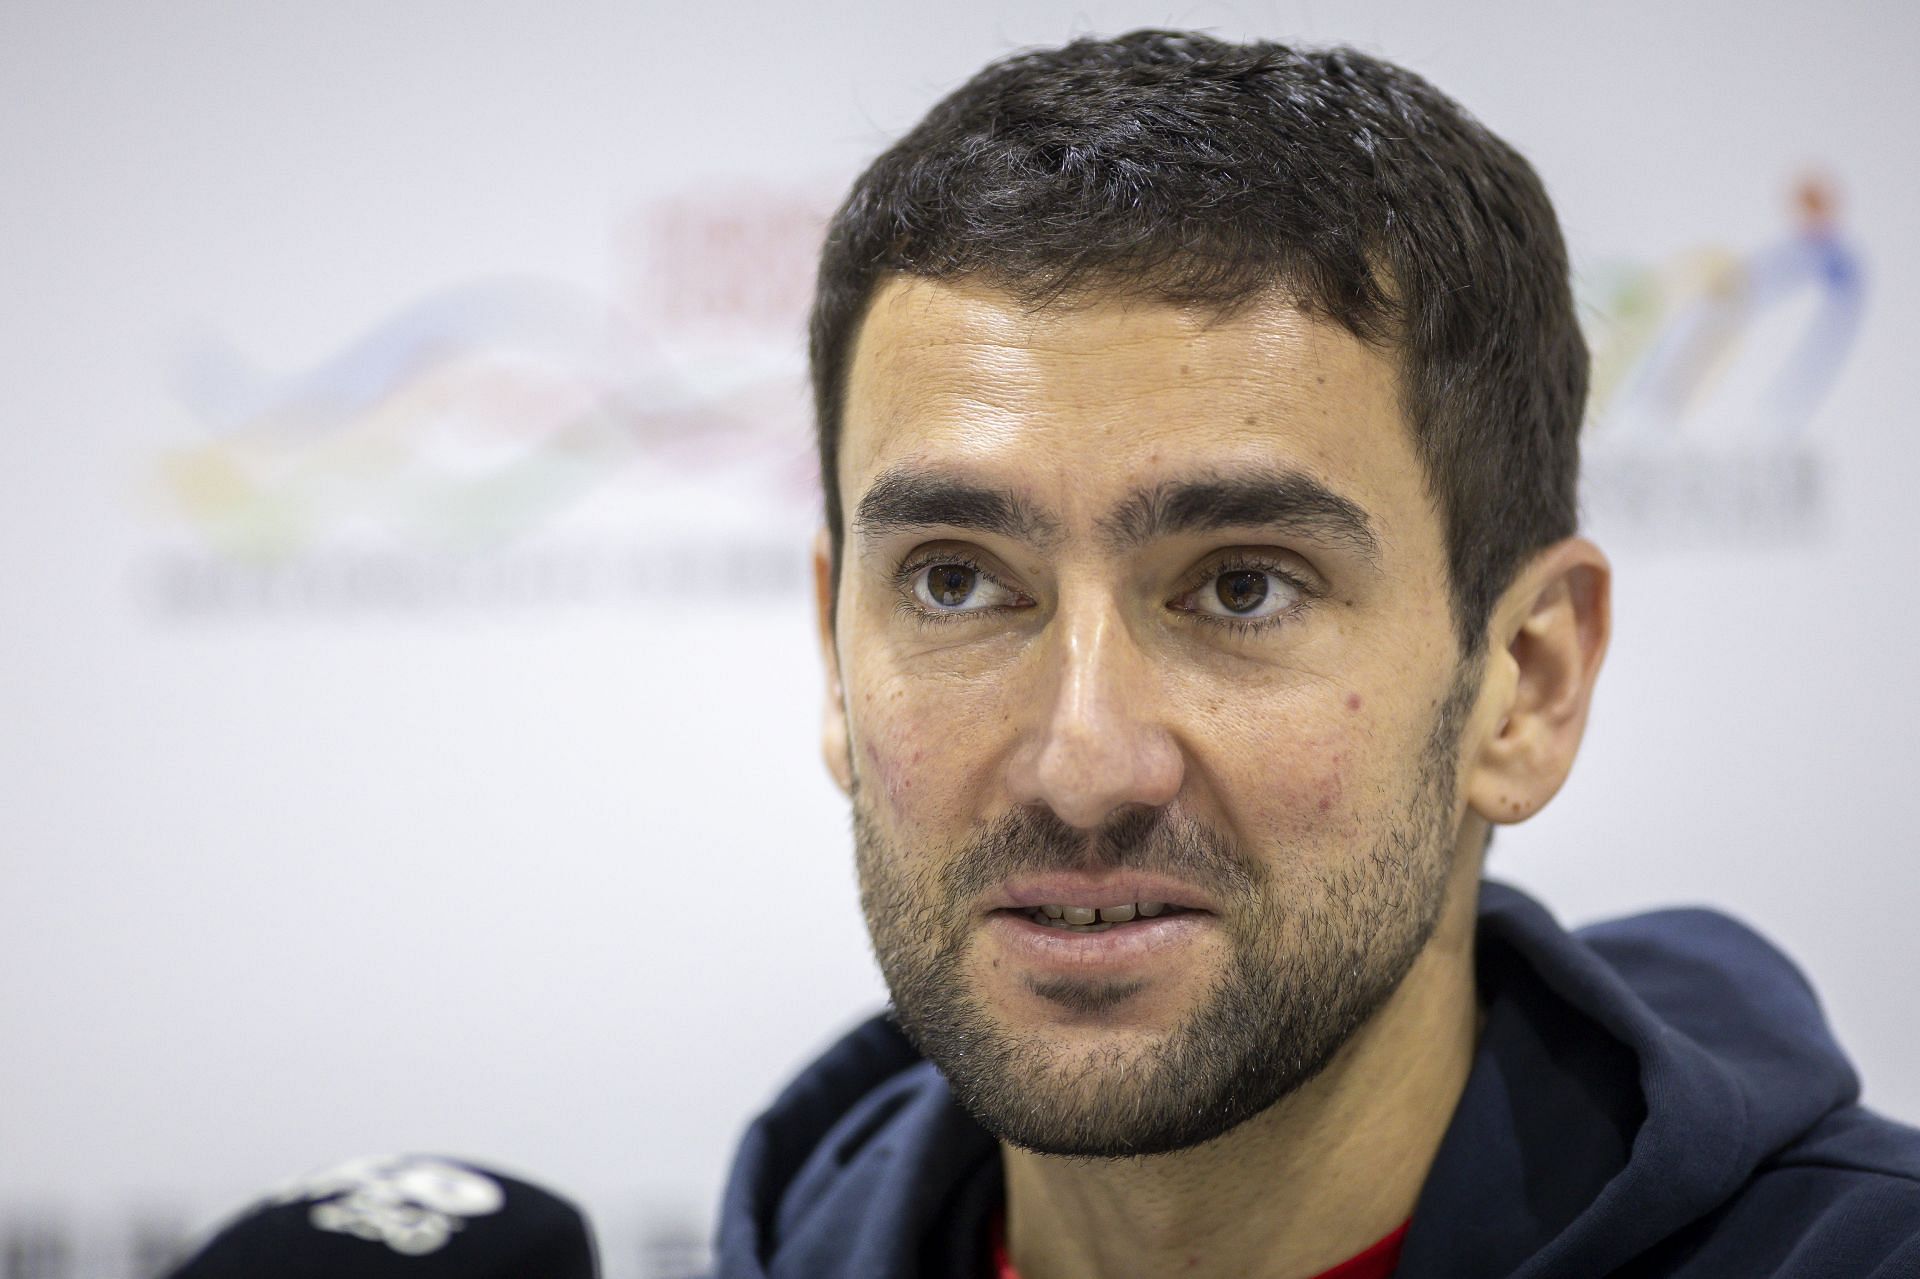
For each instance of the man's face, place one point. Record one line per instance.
(1143, 612)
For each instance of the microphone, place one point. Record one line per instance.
(402, 1217)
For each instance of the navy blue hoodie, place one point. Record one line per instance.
(1654, 1097)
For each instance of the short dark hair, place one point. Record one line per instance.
(1194, 171)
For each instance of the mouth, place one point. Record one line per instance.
(1097, 919)
(1086, 902)
(1097, 935)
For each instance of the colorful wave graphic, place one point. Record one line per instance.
(474, 417)
(488, 413)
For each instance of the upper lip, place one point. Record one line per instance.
(1083, 889)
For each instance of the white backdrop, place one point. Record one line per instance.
(407, 721)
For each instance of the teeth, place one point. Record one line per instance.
(1097, 918)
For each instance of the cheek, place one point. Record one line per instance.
(1307, 784)
(1310, 785)
(922, 750)
(890, 765)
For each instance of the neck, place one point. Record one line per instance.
(1297, 1189)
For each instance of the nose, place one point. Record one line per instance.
(1099, 743)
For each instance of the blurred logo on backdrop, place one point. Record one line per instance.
(520, 441)
(1708, 372)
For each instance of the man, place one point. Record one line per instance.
(1200, 585)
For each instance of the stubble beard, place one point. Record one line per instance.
(1303, 975)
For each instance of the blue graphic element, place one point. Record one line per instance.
(1704, 328)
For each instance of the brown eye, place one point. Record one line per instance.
(1240, 592)
(950, 585)
(958, 589)
(1245, 594)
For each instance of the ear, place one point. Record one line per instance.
(1546, 639)
(833, 727)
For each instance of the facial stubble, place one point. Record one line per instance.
(1303, 973)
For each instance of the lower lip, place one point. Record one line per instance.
(1130, 944)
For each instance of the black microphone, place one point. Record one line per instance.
(394, 1216)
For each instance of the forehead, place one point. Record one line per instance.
(1077, 403)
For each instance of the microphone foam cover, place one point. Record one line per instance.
(417, 1216)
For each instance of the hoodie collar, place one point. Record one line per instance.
(1628, 1080)
(865, 1166)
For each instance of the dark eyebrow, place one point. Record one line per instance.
(904, 498)
(1286, 500)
